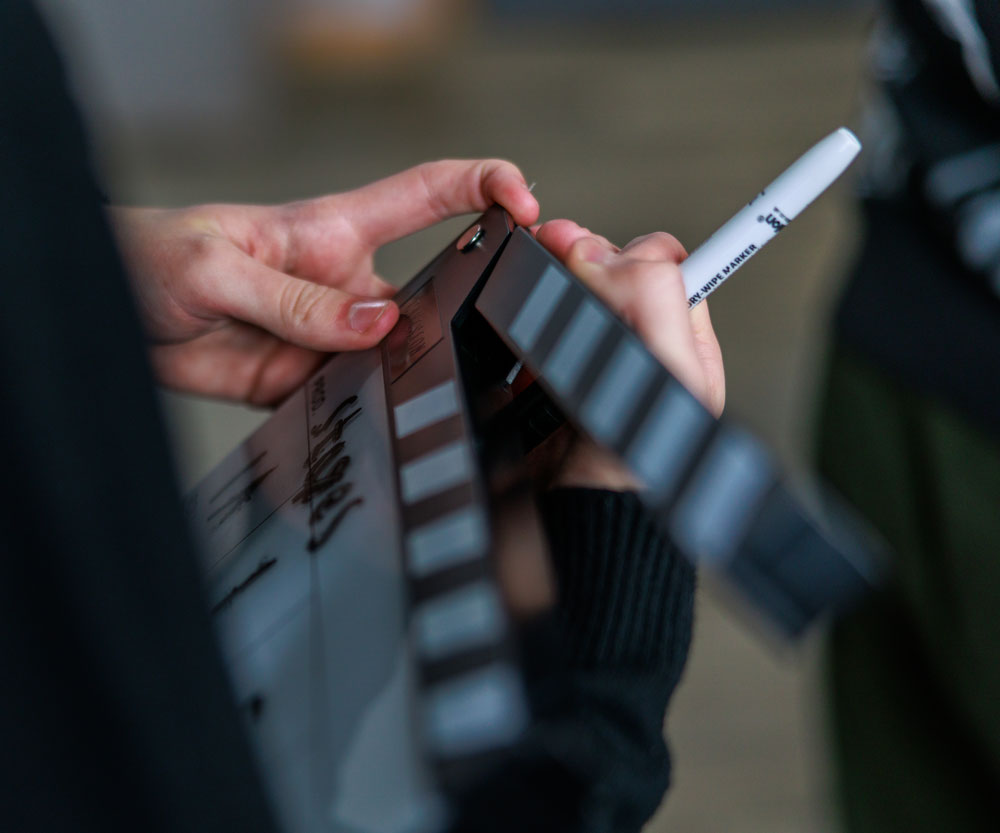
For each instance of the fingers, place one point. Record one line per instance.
(643, 284)
(656, 246)
(240, 362)
(558, 236)
(364, 283)
(419, 197)
(298, 311)
(710, 357)
(649, 296)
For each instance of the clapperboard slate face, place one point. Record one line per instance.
(347, 543)
(303, 529)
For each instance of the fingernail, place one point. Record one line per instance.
(363, 314)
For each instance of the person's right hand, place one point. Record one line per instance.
(642, 283)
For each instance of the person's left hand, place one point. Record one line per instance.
(641, 282)
(242, 302)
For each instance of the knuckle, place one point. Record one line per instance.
(658, 244)
(204, 265)
(202, 249)
(664, 240)
(299, 304)
(640, 275)
(494, 173)
(579, 249)
(496, 168)
(428, 173)
(654, 276)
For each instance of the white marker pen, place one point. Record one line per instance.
(767, 214)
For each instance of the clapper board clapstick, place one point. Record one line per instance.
(349, 542)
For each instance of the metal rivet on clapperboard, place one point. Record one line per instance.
(473, 237)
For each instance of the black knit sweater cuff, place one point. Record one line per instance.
(600, 669)
(626, 596)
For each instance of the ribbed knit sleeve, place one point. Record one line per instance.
(600, 670)
(625, 596)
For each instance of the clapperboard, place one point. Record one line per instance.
(349, 542)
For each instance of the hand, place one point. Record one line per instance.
(242, 302)
(642, 283)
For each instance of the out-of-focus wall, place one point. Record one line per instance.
(639, 9)
(162, 66)
(189, 66)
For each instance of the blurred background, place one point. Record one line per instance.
(632, 116)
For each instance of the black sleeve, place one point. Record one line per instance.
(114, 710)
(600, 670)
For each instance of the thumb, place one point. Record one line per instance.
(302, 312)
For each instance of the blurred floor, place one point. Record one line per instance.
(672, 126)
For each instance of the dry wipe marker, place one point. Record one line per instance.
(767, 214)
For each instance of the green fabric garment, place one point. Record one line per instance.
(915, 673)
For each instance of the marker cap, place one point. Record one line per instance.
(813, 172)
(757, 223)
